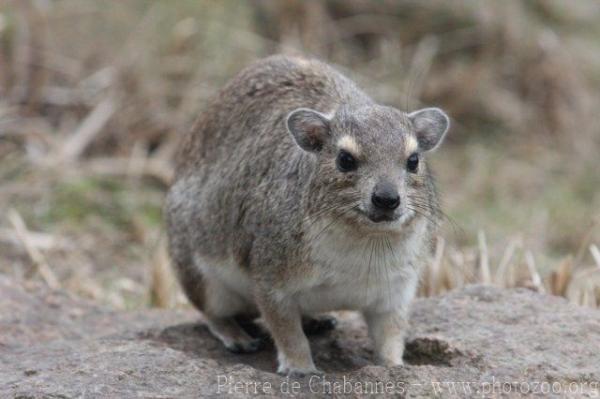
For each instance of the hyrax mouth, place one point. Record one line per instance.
(383, 218)
(379, 217)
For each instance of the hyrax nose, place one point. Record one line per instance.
(385, 198)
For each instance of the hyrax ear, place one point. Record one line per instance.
(431, 125)
(309, 128)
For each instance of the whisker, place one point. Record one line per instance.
(333, 222)
(434, 221)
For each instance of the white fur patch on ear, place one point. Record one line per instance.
(349, 144)
(431, 125)
(410, 145)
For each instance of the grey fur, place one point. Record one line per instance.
(258, 217)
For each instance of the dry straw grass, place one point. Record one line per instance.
(93, 97)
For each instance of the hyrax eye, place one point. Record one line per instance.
(412, 163)
(346, 162)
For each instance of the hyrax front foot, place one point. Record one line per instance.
(298, 363)
(298, 372)
(284, 321)
(387, 330)
(389, 361)
(318, 325)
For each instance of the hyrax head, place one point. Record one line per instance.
(371, 170)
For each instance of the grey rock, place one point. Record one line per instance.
(478, 342)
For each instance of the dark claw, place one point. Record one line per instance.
(300, 374)
(296, 375)
(319, 325)
(248, 347)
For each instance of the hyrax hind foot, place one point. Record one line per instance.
(235, 339)
(318, 325)
(253, 328)
(254, 345)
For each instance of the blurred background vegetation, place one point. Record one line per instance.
(94, 96)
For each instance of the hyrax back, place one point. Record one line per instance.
(297, 194)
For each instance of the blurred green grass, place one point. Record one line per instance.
(109, 200)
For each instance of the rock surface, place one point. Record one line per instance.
(478, 342)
